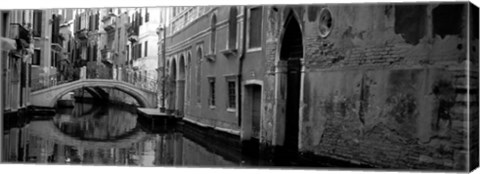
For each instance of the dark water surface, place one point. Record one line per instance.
(101, 134)
(93, 134)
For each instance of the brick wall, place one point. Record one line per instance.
(375, 92)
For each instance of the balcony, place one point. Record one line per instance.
(211, 57)
(56, 47)
(82, 34)
(229, 52)
(132, 33)
(109, 22)
(107, 56)
(21, 35)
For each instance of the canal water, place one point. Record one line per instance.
(96, 134)
(107, 134)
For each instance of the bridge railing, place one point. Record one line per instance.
(144, 82)
(47, 81)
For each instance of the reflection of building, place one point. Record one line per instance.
(351, 82)
(16, 56)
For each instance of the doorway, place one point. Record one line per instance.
(291, 55)
(251, 118)
(173, 86)
(180, 87)
(256, 93)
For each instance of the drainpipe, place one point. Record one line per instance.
(240, 66)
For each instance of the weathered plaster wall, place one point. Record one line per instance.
(386, 87)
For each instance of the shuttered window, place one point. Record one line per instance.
(146, 48)
(255, 27)
(37, 23)
(232, 28)
(36, 57)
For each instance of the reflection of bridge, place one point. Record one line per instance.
(48, 130)
(48, 97)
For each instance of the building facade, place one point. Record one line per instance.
(203, 65)
(17, 52)
(86, 53)
(142, 46)
(380, 84)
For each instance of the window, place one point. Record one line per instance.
(255, 27)
(211, 83)
(199, 74)
(37, 23)
(36, 57)
(213, 34)
(97, 19)
(146, 48)
(232, 98)
(4, 24)
(95, 50)
(53, 59)
(232, 28)
(147, 15)
(128, 53)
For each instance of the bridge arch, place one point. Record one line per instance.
(49, 97)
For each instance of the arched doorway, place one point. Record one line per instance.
(188, 82)
(289, 77)
(173, 85)
(180, 87)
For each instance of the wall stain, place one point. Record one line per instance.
(447, 20)
(410, 22)
(445, 95)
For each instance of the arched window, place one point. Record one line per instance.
(213, 34)
(232, 28)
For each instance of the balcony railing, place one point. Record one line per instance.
(132, 33)
(107, 55)
(48, 81)
(82, 34)
(109, 22)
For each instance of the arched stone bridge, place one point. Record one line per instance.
(49, 97)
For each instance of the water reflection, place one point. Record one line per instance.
(104, 135)
(96, 123)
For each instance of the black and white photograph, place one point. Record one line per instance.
(377, 86)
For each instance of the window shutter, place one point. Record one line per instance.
(146, 48)
(255, 29)
(97, 19)
(140, 50)
(88, 53)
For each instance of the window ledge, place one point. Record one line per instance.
(254, 49)
(229, 52)
(211, 57)
(231, 110)
(212, 107)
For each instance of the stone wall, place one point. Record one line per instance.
(387, 86)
